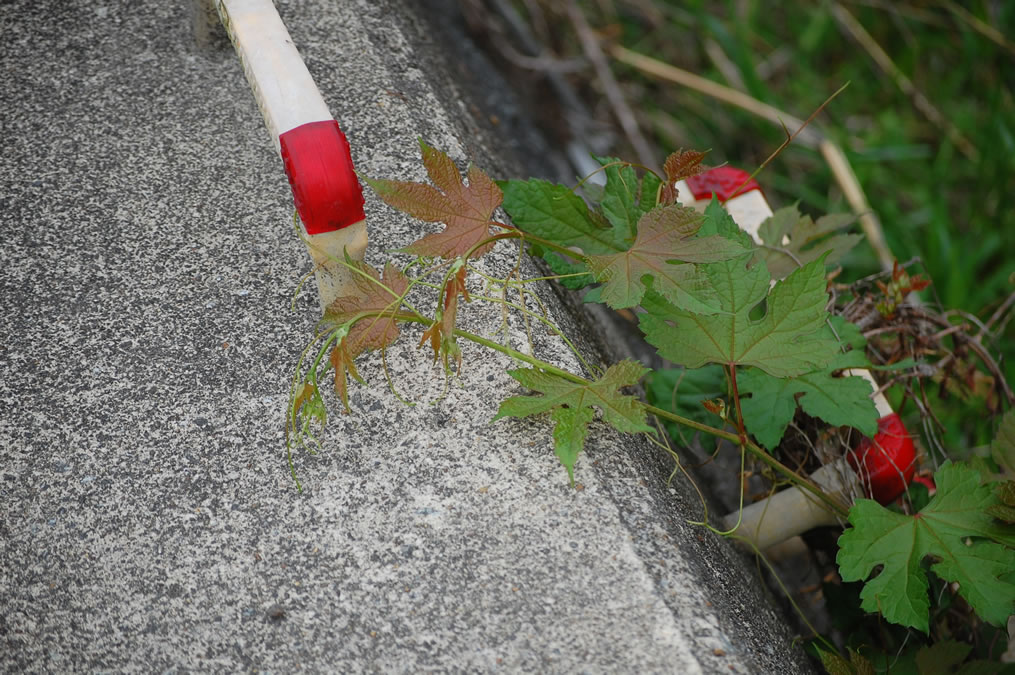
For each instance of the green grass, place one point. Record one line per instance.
(956, 214)
(934, 202)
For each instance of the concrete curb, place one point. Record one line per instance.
(148, 520)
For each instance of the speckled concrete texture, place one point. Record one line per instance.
(147, 518)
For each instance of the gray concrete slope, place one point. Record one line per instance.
(147, 518)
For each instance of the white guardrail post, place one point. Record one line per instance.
(314, 151)
(885, 464)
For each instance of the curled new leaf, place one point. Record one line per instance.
(678, 166)
(440, 334)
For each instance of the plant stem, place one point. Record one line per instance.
(755, 450)
(751, 447)
(741, 430)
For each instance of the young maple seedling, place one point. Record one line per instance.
(706, 290)
(769, 402)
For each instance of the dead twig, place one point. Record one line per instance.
(973, 343)
(998, 313)
(979, 25)
(789, 139)
(623, 112)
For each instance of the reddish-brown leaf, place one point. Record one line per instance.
(342, 362)
(678, 166)
(465, 209)
(440, 334)
(665, 240)
(373, 310)
(373, 307)
(304, 393)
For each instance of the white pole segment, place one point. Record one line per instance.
(282, 85)
(794, 511)
(313, 148)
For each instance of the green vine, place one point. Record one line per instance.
(750, 320)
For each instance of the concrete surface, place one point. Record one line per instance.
(147, 518)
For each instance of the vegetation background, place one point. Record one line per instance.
(927, 122)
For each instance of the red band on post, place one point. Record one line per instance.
(722, 182)
(886, 464)
(319, 166)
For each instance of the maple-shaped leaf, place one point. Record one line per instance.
(719, 221)
(625, 199)
(786, 341)
(665, 240)
(835, 664)
(372, 315)
(465, 209)
(440, 334)
(678, 166)
(554, 212)
(839, 401)
(793, 240)
(570, 405)
(968, 546)
(948, 657)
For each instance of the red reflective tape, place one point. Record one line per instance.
(319, 166)
(721, 182)
(886, 464)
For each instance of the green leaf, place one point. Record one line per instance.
(839, 401)
(969, 547)
(681, 390)
(941, 658)
(625, 199)
(788, 340)
(1002, 450)
(559, 265)
(861, 663)
(848, 334)
(665, 240)
(807, 240)
(620, 198)
(835, 664)
(556, 213)
(719, 221)
(648, 199)
(570, 406)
